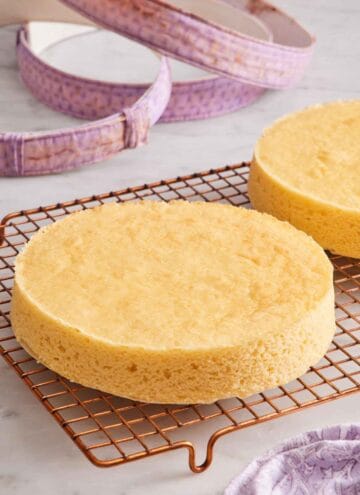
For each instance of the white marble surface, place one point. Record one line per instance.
(35, 455)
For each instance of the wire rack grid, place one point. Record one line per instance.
(112, 430)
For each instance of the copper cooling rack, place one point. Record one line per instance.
(112, 430)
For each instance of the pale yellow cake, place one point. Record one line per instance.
(306, 170)
(179, 302)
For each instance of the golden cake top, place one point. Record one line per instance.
(317, 152)
(173, 275)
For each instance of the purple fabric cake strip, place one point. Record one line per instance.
(33, 153)
(90, 99)
(324, 462)
(207, 45)
(253, 64)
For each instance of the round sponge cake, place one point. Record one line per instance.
(306, 169)
(174, 302)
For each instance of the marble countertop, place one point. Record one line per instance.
(35, 455)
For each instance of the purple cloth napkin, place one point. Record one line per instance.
(321, 462)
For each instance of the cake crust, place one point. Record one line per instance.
(306, 170)
(179, 302)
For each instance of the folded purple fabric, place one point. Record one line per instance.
(321, 462)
